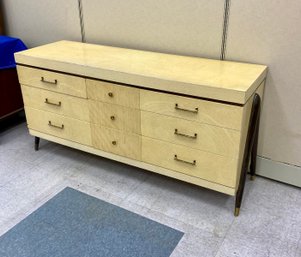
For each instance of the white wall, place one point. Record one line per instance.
(39, 22)
(189, 27)
(269, 32)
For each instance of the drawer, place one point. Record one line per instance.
(189, 133)
(117, 142)
(49, 101)
(53, 81)
(215, 168)
(115, 116)
(209, 112)
(113, 93)
(57, 125)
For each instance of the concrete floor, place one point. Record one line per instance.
(269, 223)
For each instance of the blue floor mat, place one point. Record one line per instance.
(74, 224)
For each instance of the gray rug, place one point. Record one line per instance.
(74, 224)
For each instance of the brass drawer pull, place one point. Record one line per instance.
(110, 94)
(114, 142)
(187, 162)
(49, 82)
(184, 135)
(112, 117)
(55, 126)
(196, 109)
(56, 104)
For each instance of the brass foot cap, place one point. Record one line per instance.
(253, 177)
(236, 212)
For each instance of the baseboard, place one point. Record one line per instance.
(279, 171)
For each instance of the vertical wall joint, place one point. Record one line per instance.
(81, 20)
(225, 29)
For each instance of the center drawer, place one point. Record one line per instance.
(61, 104)
(116, 141)
(115, 116)
(216, 168)
(113, 93)
(58, 125)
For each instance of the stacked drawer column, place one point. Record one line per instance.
(115, 118)
(56, 104)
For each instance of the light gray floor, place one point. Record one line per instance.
(269, 223)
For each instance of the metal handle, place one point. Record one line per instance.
(187, 162)
(49, 82)
(184, 135)
(196, 109)
(112, 117)
(56, 104)
(114, 142)
(110, 94)
(55, 126)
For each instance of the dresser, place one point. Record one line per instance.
(188, 118)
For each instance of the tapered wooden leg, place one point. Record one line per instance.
(250, 150)
(36, 143)
(254, 153)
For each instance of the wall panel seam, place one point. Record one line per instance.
(225, 29)
(81, 20)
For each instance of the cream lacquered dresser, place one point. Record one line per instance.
(189, 118)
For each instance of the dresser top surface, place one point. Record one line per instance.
(220, 80)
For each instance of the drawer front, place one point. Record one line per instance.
(189, 133)
(114, 141)
(115, 116)
(209, 112)
(53, 81)
(113, 93)
(57, 125)
(66, 105)
(216, 168)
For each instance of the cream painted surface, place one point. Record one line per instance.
(211, 167)
(113, 93)
(61, 126)
(191, 27)
(183, 161)
(139, 164)
(39, 22)
(208, 112)
(61, 104)
(115, 116)
(207, 78)
(200, 136)
(269, 32)
(116, 141)
(53, 81)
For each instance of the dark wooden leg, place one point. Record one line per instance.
(36, 143)
(248, 151)
(254, 150)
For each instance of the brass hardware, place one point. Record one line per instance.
(56, 104)
(184, 135)
(180, 160)
(49, 82)
(55, 126)
(114, 142)
(112, 117)
(196, 109)
(236, 212)
(110, 94)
